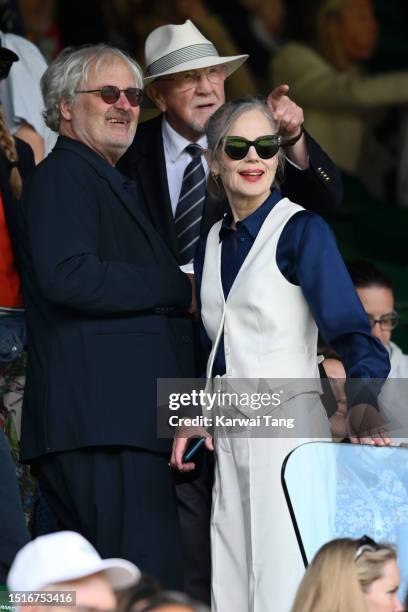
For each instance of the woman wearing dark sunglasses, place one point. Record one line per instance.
(350, 576)
(269, 274)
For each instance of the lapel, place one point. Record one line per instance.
(149, 166)
(112, 177)
(146, 163)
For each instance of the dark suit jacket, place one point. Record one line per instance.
(101, 289)
(317, 188)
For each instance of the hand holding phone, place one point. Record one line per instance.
(194, 447)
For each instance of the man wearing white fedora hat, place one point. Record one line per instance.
(185, 79)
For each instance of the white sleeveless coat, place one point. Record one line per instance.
(269, 333)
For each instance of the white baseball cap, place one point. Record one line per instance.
(63, 556)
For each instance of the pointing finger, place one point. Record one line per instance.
(278, 93)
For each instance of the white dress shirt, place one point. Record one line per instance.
(176, 162)
(177, 159)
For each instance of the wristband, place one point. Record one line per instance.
(289, 142)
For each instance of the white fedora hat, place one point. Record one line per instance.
(176, 48)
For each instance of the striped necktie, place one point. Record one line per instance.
(190, 205)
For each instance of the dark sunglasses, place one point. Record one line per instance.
(237, 147)
(363, 545)
(111, 94)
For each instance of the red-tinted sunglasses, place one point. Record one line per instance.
(111, 94)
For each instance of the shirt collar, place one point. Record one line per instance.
(254, 221)
(174, 143)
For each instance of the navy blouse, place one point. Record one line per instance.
(307, 255)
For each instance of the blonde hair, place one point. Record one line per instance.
(8, 145)
(335, 581)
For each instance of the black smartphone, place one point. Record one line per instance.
(193, 448)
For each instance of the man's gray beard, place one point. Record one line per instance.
(120, 145)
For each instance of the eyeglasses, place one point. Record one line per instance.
(387, 322)
(183, 81)
(111, 94)
(363, 545)
(237, 147)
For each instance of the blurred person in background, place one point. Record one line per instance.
(10, 17)
(259, 29)
(323, 62)
(392, 46)
(351, 576)
(375, 291)
(16, 163)
(376, 294)
(21, 97)
(21, 22)
(40, 26)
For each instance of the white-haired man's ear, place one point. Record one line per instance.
(65, 109)
(154, 93)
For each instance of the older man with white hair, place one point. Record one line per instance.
(102, 294)
(185, 79)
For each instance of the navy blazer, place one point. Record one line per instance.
(317, 188)
(103, 294)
